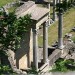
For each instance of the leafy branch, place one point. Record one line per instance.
(12, 30)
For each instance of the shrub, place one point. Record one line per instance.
(32, 71)
(63, 65)
(5, 69)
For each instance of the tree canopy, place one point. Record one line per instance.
(12, 29)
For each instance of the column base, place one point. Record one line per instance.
(61, 47)
(47, 61)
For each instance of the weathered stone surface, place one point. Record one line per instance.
(31, 8)
(13, 66)
(54, 56)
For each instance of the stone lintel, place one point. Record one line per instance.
(36, 12)
(41, 21)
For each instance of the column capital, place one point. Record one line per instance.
(46, 23)
(35, 30)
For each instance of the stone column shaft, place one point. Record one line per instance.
(54, 10)
(35, 49)
(60, 31)
(45, 42)
(49, 13)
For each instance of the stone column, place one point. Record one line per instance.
(45, 42)
(35, 49)
(49, 14)
(60, 30)
(54, 9)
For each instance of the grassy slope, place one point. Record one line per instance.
(69, 22)
(3, 2)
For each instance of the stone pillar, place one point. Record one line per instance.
(49, 14)
(35, 48)
(60, 30)
(54, 9)
(45, 42)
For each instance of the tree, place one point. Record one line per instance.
(12, 29)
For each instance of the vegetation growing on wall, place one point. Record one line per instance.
(11, 32)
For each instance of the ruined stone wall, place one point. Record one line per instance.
(23, 57)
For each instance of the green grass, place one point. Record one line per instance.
(73, 37)
(3, 2)
(68, 23)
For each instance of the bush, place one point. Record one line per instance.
(5, 69)
(63, 65)
(32, 71)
